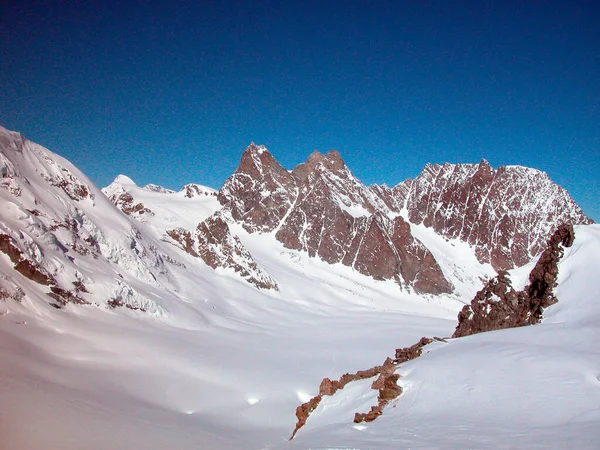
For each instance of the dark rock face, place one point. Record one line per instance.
(31, 270)
(125, 202)
(70, 185)
(63, 296)
(22, 264)
(184, 239)
(259, 192)
(387, 385)
(542, 278)
(213, 242)
(118, 303)
(506, 214)
(412, 352)
(191, 191)
(321, 208)
(498, 305)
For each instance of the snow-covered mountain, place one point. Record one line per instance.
(76, 245)
(506, 214)
(141, 317)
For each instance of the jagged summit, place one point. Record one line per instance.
(505, 214)
(321, 208)
(255, 153)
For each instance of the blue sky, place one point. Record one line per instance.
(172, 92)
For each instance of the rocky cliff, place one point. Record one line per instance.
(322, 209)
(506, 214)
(319, 207)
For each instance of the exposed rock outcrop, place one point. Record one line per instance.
(195, 190)
(414, 351)
(31, 270)
(499, 306)
(496, 306)
(321, 208)
(122, 199)
(385, 384)
(506, 214)
(23, 265)
(213, 242)
(127, 204)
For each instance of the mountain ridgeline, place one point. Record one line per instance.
(319, 207)
(56, 224)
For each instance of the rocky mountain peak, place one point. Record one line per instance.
(259, 192)
(256, 159)
(330, 162)
(484, 163)
(321, 208)
(334, 160)
(505, 214)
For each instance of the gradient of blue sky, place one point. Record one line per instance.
(172, 92)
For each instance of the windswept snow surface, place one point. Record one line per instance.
(225, 371)
(167, 206)
(530, 387)
(215, 363)
(228, 369)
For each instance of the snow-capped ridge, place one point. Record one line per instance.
(192, 190)
(68, 229)
(124, 180)
(320, 207)
(157, 188)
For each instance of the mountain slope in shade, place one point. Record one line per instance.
(67, 230)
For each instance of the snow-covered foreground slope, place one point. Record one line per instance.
(224, 371)
(229, 370)
(530, 387)
(114, 335)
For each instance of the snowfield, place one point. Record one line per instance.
(169, 353)
(231, 374)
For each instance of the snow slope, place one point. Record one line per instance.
(530, 387)
(231, 375)
(215, 363)
(169, 209)
(211, 363)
